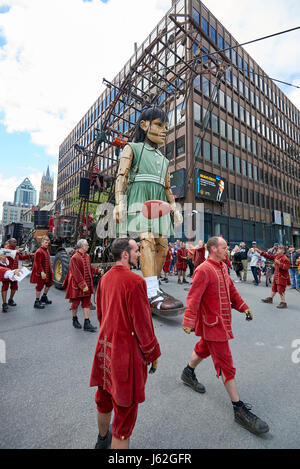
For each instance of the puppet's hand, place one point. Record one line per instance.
(249, 315)
(119, 212)
(178, 220)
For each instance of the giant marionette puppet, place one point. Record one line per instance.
(143, 193)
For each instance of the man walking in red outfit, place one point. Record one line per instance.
(79, 284)
(126, 345)
(42, 274)
(208, 314)
(13, 264)
(281, 276)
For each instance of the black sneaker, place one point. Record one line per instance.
(104, 443)
(45, 301)
(189, 378)
(38, 305)
(5, 308)
(88, 326)
(11, 303)
(251, 422)
(76, 323)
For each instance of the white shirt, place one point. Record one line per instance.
(255, 257)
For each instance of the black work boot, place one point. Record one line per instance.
(38, 304)
(5, 308)
(76, 323)
(104, 442)
(11, 302)
(45, 301)
(189, 378)
(88, 326)
(246, 419)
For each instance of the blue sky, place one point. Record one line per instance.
(50, 76)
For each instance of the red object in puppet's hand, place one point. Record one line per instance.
(155, 209)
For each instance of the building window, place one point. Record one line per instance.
(222, 98)
(231, 161)
(197, 112)
(197, 146)
(213, 34)
(224, 158)
(237, 164)
(216, 155)
(229, 104)
(223, 128)
(180, 146)
(206, 86)
(206, 150)
(232, 191)
(196, 16)
(244, 168)
(220, 42)
(236, 136)
(204, 25)
(250, 170)
(239, 193)
(170, 150)
(215, 123)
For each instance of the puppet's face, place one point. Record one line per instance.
(156, 131)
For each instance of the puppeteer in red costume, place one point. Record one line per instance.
(79, 284)
(181, 265)
(199, 255)
(13, 264)
(42, 273)
(281, 277)
(127, 343)
(208, 314)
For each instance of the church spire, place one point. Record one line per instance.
(48, 179)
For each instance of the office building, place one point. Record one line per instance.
(246, 166)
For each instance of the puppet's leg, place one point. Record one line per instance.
(160, 302)
(147, 258)
(161, 253)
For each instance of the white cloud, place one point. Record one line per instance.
(58, 51)
(278, 56)
(56, 55)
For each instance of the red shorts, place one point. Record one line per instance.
(166, 267)
(221, 356)
(124, 417)
(181, 266)
(276, 288)
(43, 283)
(85, 302)
(7, 283)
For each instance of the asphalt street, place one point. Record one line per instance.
(46, 401)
